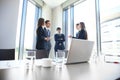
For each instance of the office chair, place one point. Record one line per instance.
(39, 53)
(7, 54)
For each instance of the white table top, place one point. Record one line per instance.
(15, 70)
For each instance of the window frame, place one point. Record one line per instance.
(98, 30)
(38, 13)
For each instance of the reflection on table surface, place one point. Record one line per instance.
(16, 70)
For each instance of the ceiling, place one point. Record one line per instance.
(54, 3)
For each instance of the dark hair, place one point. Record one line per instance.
(47, 21)
(77, 24)
(58, 28)
(83, 28)
(82, 25)
(40, 22)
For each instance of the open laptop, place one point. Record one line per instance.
(80, 51)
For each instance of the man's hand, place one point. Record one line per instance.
(70, 36)
(47, 38)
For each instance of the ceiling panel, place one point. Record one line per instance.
(54, 3)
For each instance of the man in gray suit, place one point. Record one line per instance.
(47, 34)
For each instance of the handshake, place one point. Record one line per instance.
(47, 38)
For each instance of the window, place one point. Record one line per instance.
(85, 12)
(79, 13)
(110, 27)
(26, 33)
(18, 29)
(102, 24)
(68, 24)
(29, 26)
(65, 24)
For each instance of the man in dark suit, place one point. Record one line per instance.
(47, 34)
(59, 40)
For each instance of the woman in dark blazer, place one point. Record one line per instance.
(40, 44)
(82, 33)
(59, 40)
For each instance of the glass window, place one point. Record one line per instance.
(110, 27)
(65, 28)
(85, 12)
(26, 38)
(79, 13)
(29, 26)
(18, 29)
(68, 27)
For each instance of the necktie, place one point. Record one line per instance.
(48, 32)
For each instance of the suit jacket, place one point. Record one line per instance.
(40, 38)
(47, 43)
(59, 42)
(82, 34)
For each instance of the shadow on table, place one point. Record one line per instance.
(77, 71)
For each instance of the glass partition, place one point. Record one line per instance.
(26, 30)
(110, 27)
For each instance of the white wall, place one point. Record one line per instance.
(56, 22)
(46, 12)
(57, 17)
(8, 23)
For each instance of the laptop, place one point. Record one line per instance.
(80, 51)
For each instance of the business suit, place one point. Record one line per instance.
(40, 38)
(82, 34)
(47, 43)
(59, 42)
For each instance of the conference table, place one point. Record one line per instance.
(17, 70)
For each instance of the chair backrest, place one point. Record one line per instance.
(7, 54)
(39, 53)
